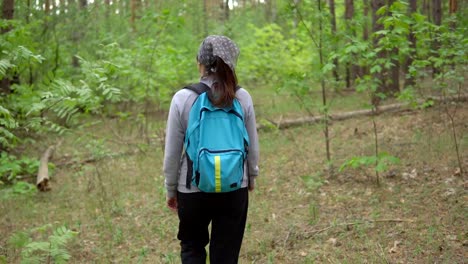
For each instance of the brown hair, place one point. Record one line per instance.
(225, 87)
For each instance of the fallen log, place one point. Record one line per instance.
(42, 181)
(398, 107)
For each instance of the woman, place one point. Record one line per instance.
(227, 212)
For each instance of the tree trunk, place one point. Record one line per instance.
(226, 10)
(333, 28)
(409, 81)
(47, 7)
(394, 71)
(349, 14)
(8, 9)
(324, 94)
(437, 12)
(426, 9)
(453, 8)
(365, 33)
(382, 76)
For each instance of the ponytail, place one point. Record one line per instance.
(225, 87)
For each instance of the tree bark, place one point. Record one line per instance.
(349, 14)
(8, 9)
(394, 71)
(453, 7)
(47, 6)
(409, 81)
(426, 9)
(331, 4)
(437, 12)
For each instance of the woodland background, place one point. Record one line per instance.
(85, 87)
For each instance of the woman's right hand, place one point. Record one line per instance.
(172, 203)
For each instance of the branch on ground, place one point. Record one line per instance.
(399, 107)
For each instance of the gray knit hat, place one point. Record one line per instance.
(218, 46)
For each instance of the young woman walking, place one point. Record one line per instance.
(226, 211)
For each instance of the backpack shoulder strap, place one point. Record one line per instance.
(199, 88)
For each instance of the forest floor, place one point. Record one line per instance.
(108, 186)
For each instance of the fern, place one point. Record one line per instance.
(17, 58)
(7, 120)
(7, 124)
(5, 65)
(379, 163)
(51, 249)
(19, 240)
(22, 54)
(12, 168)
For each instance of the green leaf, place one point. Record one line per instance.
(19, 240)
(375, 69)
(328, 67)
(382, 11)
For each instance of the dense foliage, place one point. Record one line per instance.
(61, 63)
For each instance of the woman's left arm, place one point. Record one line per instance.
(173, 147)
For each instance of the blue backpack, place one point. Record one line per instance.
(215, 143)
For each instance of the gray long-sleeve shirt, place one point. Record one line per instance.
(175, 163)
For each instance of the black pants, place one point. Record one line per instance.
(227, 213)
